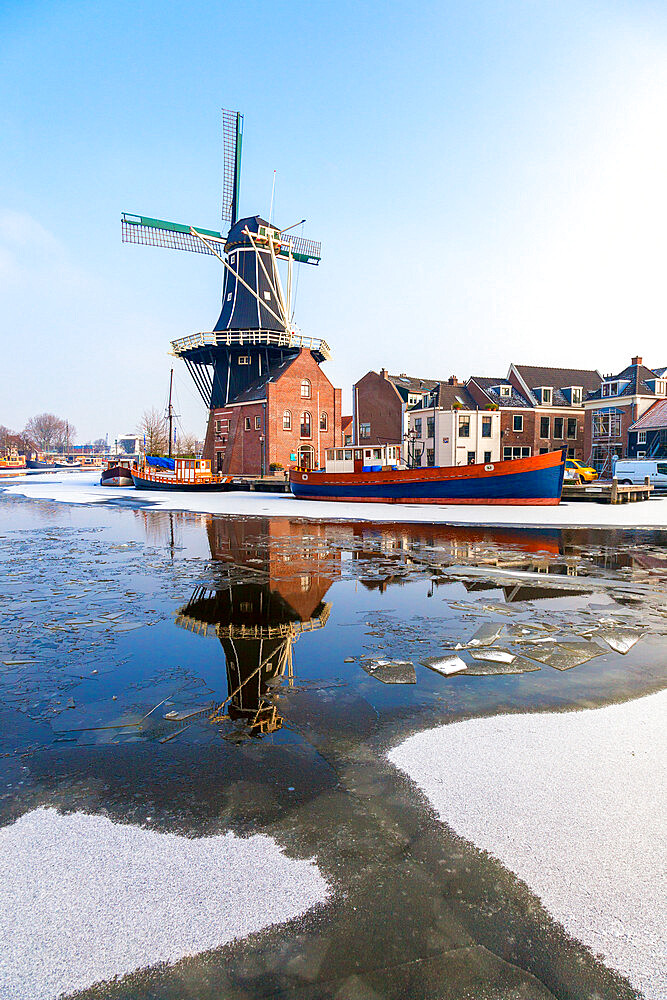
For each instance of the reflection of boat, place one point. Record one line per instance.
(191, 474)
(116, 474)
(367, 475)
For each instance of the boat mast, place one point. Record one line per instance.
(170, 415)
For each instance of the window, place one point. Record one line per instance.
(576, 396)
(606, 424)
(348, 454)
(487, 457)
(504, 390)
(558, 427)
(247, 423)
(364, 430)
(641, 454)
(430, 456)
(544, 427)
(430, 427)
(287, 420)
(464, 427)
(517, 422)
(218, 426)
(267, 296)
(258, 423)
(229, 296)
(324, 423)
(641, 437)
(305, 424)
(377, 453)
(305, 388)
(545, 396)
(518, 451)
(661, 468)
(418, 426)
(572, 427)
(486, 427)
(339, 455)
(471, 458)
(244, 359)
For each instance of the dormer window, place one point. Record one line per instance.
(657, 385)
(610, 389)
(574, 394)
(544, 395)
(504, 390)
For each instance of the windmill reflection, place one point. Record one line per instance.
(258, 622)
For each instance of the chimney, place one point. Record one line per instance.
(637, 361)
(383, 372)
(452, 380)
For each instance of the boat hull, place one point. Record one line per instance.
(524, 481)
(163, 484)
(117, 475)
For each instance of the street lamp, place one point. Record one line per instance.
(261, 445)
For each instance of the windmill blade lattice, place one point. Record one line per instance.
(158, 233)
(232, 135)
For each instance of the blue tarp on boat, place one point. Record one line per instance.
(160, 463)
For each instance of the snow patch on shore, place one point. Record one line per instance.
(85, 899)
(83, 487)
(573, 803)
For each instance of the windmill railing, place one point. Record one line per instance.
(250, 338)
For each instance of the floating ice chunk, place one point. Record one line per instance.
(391, 671)
(485, 635)
(488, 668)
(563, 656)
(621, 640)
(445, 664)
(494, 655)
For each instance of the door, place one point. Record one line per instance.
(306, 456)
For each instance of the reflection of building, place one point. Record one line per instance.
(257, 621)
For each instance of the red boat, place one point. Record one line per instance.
(364, 475)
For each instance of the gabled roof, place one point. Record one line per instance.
(534, 376)
(654, 419)
(406, 383)
(257, 390)
(636, 377)
(444, 395)
(487, 384)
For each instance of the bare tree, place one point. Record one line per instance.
(189, 446)
(5, 436)
(152, 426)
(48, 432)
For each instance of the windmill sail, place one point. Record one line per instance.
(158, 233)
(232, 137)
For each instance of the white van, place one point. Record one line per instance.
(633, 471)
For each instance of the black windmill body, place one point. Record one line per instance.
(254, 333)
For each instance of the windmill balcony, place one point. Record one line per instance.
(243, 338)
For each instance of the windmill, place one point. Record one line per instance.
(254, 331)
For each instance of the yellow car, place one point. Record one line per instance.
(585, 472)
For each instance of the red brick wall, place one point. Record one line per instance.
(378, 403)
(242, 451)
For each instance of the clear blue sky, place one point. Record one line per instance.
(488, 180)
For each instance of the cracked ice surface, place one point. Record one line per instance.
(574, 804)
(83, 487)
(85, 899)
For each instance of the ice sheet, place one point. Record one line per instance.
(85, 899)
(84, 488)
(582, 817)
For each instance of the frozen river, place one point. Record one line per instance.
(197, 711)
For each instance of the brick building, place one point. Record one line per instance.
(541, 408)
(380, 403)
(286, 417)
(615, 406)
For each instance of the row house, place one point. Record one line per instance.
(448, 428)
(287, 417)
(616, 407)
(542, 409)
(647, 437)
